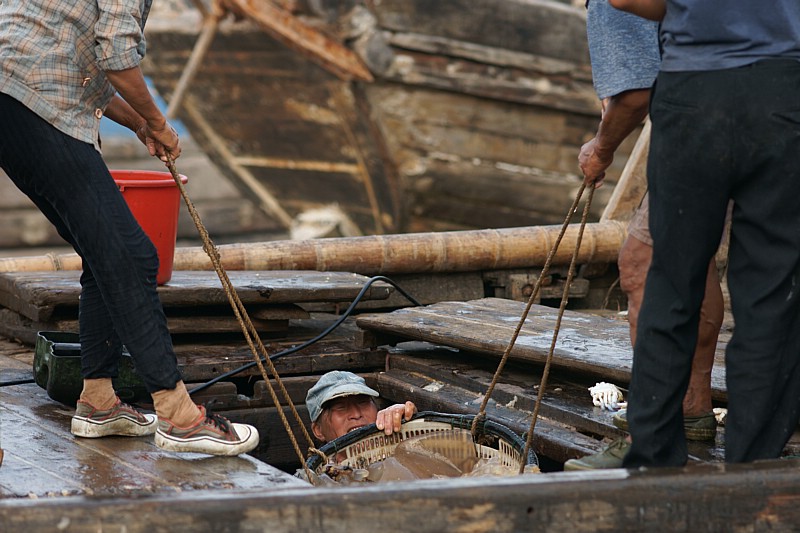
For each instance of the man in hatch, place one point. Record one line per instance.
(341, 402)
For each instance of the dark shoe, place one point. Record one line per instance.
(610, 457)
(122, 419)
(211, 434)
(702, 427)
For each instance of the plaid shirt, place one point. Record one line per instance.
(53, 54)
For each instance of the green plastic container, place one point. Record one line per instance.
(57, 369)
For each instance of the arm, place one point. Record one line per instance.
(136, 109)
(623, 113)
(389, 419)
(649, 9)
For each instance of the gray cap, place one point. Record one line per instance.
(332, 385)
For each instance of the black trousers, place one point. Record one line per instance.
(69, 182)
(720, 135)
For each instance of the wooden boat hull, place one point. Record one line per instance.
(474, 118)
(761, 497)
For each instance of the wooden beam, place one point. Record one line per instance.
(332, 55)
(210, 25)
(632, 184)
(591, 345)
(552, 440)
(755, 497)
(218, 146)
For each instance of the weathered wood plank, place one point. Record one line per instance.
(43, 459)
(518, 25)
(590, 344)
(317, 140)
(507, 83)
(566, 402)
(36, 295)
(471, 194)
(760, 497)
(201, 363)
(17, 326)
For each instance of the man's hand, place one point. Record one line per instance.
(593, 163)
(389, 419)
(160, 141)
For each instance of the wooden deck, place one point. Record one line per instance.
(195, 302)
(42, 459)
(587, 344)
(441, 356)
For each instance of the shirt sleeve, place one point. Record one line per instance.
(119, 34)
(623, 49)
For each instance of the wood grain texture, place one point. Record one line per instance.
(37, 295)
(588, 344)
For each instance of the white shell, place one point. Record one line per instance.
(606, 396)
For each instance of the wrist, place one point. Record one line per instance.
(157, 123)
(603, 151)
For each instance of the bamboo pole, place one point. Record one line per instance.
(455, 251)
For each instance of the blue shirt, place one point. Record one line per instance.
(623, 49)
(720, 34)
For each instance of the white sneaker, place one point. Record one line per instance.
(122, 419)
(211, 434)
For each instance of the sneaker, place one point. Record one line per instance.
(211, 434)
(702, 427)
(610, 457)
(122, 419)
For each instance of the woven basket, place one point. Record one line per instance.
(368, 445)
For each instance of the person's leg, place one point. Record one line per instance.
(119, 302)
(763, 357)
(75, 190)
(688, 199)
(697, 400)
(634, 262)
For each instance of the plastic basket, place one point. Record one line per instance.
(362, 447)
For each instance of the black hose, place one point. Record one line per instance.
(17, 382)
(319, 337)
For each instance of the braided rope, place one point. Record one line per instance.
(545, 270)
(249, 330)
(564, 299)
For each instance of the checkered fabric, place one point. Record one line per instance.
(53, 54)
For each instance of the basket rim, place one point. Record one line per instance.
(461, 421)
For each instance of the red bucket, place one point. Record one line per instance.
(154, 199)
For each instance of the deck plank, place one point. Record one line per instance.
(588, 344)
(38, 295)
(756, 497)
(43, 459)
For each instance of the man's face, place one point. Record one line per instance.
(342, 415)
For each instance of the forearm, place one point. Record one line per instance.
(623, 114)
(649, 9)
(122, 113)
(135, 108)
(131, 86)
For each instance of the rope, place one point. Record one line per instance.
(545, 270)
(564, 299)
(248, 328)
